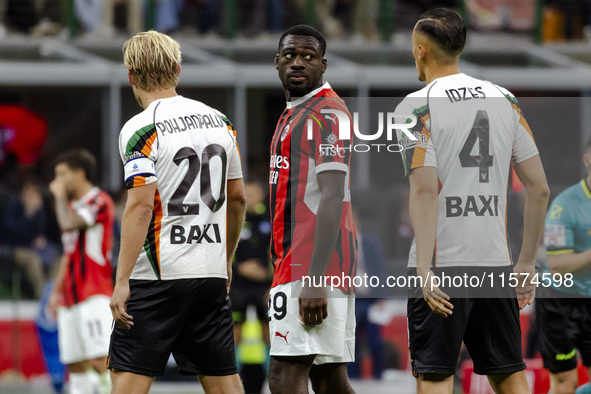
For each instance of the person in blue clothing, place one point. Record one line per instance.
(24, 243)
(563, 310)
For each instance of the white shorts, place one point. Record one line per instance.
(84, 329)
(333, 341)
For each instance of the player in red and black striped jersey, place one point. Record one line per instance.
(313, 233)
(296, 160)
(83, 284)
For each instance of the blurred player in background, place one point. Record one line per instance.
(251, 283)
(312, 226)
(368, 334)
(467, 135)
(83, 283)
(182, 219)
(563, 311)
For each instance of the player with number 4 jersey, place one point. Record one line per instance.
(463, 136)
(473, 155)
(182, 220)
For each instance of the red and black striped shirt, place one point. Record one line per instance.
(308, 141)
(88, 251)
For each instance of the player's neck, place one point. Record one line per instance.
(432, 73)
(82, 190)
(149, 97)
(289, 97)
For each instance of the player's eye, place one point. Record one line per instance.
(288, 56)
(308, 57)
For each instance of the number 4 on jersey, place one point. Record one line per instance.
(483, 160)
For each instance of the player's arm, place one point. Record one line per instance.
(313, 300)
(423, 208)
(236, 213)
(574, 263)
(134, 227)
(56, 291)
(67, 218)
(531, 173)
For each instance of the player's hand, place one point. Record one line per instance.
(525, 290)
(58, 188)
(118, 305)
(53, 303)
(313, 305)
(437, 300)
(252, 269)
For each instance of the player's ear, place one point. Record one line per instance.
(130, 77)
(422, 51)
(178, 71)
(324, 64)
(277, 62)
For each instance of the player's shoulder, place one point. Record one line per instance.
(494, 90)
(223, 117)
(570, 195)
(421, 93)
(135, 129)
(327, 98)
(331, 97)
(504, 91)
(101, 200)
(563, 203)
(414, 100)
(136, 123)
(327, 91)
(103, 196)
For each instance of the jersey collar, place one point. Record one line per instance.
(300, 100)
(586, 188)
(88, 196)
(448, 76)
(155, 102)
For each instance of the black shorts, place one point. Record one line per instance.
(489, 327)
(564, 326)
(192, 318)
(244, 293)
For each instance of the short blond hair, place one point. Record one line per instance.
(152, 59)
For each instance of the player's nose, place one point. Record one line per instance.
(297, 63)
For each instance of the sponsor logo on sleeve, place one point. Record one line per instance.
(555, 235)
(133, 156)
